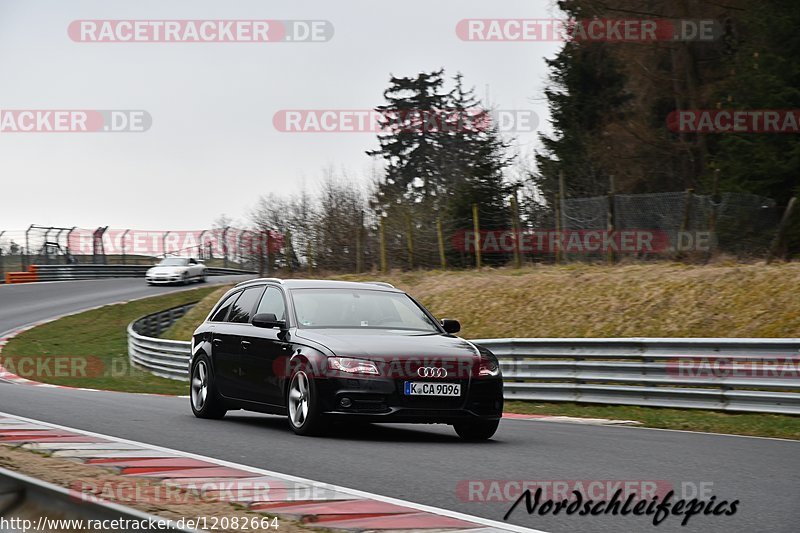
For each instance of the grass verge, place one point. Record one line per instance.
(754, 424)
(90, 349)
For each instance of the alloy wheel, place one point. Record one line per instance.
(299, 396)
(199, 385)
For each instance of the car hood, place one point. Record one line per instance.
(383, 345)
(167, 270)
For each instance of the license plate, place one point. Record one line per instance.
(426, 388)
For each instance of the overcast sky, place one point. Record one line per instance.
(212, 147)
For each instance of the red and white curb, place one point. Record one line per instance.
(312, 503)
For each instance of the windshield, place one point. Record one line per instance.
(359, 308)
(173, 262)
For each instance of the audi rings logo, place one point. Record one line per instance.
(431, 372)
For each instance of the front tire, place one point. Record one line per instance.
(476, 430)
(203, 395)
(302, 403)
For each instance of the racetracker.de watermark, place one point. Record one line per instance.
(736, 367)
(404, 121)
(734, 121)
(54, 366)
(509, 490)
(583, 241)
(213, 243)
(200, 31)
(195, 491)
(74, 121)
(588, 30)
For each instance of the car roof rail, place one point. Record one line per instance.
(381, 284)
(257, 280)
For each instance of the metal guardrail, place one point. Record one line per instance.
(162, 357)
(88, 271)
(25, 498)
(680, 373)
(636, 371)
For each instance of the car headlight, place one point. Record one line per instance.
(352, 366)
(489, 367)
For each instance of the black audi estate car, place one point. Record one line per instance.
(322, 352)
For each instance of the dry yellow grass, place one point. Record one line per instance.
(649, 300)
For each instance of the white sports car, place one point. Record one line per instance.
(177, 270)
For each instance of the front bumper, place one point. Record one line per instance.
(382, 400)
(164, 280)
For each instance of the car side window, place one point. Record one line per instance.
(222, 312)
(272, 302)
(242, 310)
(192, 262)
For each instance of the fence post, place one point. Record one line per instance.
(289, 247)
(440, 237)
(122, 242)
(225, 246)
(612, 220)
(712, 217)
(164, 243)
(686, 221)
(779, 243)
(309, 252)
(359, 246)
(270, 255)
(24, 255)
(559, 213)
(383, 244)
(410, 241)
(515, 229)
(476, 226)
(262, 249)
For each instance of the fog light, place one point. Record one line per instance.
(345, 402)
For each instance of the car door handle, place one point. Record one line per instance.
(217, 342)
(246, 344)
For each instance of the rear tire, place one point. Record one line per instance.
(203, 395)
(302, 402)
(476, 430)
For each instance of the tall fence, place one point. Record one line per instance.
(523, 229)
(739, 375)
(674, 226)
(118, 251)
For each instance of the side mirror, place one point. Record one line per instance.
(267, 320)
(451, 326)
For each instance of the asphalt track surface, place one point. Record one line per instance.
(424, 464)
